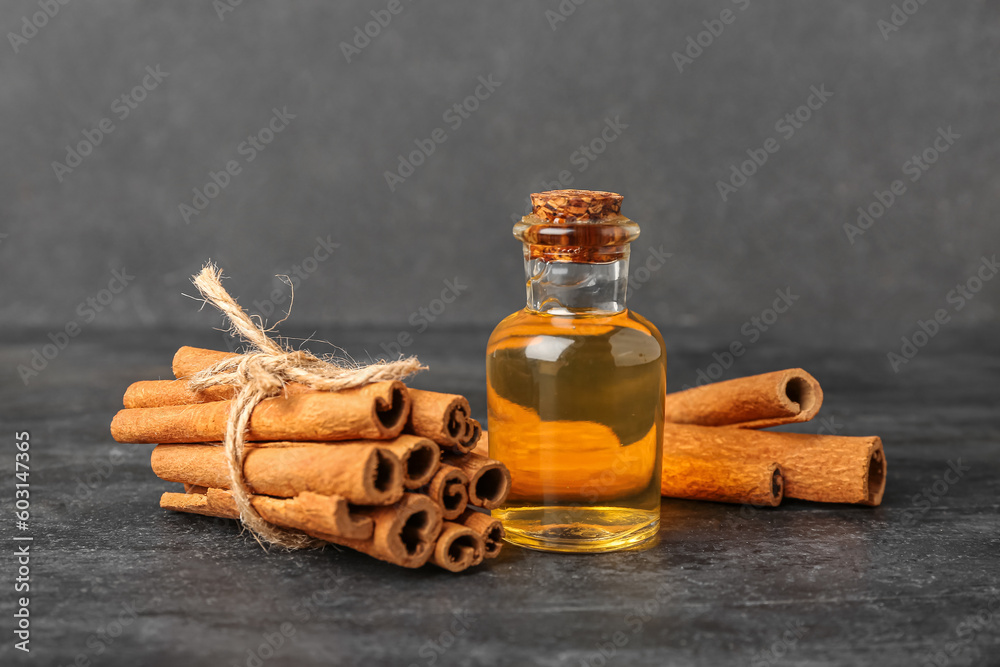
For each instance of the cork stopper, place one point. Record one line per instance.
(558, 206)
(582, 226)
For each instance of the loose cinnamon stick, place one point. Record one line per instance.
(444, 418)
(420, 458)
(489, 480)
(324, 517)
(405, 533)
(821, 468)
(721, 479)
(458, 548)
(366, 475)
(376, 411)
(757, 401)
(490, 529)
(449, 488)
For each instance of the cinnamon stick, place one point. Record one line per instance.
(365, 475)
(405, 533)
(821, 468)
(721, 479)
(158, 393)
(189, 360)
(420, 458)
(489, 480)
(444, 418)
(376, 411)
(757, 401)
(458, 548)
(449, 488)
(324, 517)
(490, 529)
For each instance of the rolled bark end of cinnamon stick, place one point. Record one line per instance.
(757, 401)
(405, 533)
(473, 433)
(377, 411)
(820, 468)
(490, 529)
(458, 548)
(444, 418)
(489, 480)
(365, 475)
(802, 389)
(876, 476)
(392, 407)
(449, 488)
(722, 479)
(323, 517)
(420, 458)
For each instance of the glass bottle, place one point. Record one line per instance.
(575, 385)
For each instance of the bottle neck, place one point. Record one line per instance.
(560, 287)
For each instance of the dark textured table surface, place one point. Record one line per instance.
(117, 581)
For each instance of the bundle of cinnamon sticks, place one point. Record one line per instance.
(713, 450)
(383, 468)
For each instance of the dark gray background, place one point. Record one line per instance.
(890, 585)
(324, 175)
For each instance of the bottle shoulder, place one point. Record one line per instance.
(529, 323)
(649, 327)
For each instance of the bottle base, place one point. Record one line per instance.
(578, 529)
